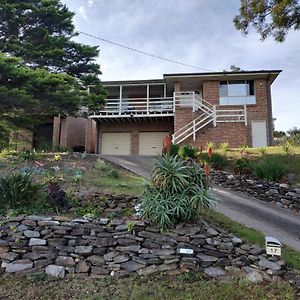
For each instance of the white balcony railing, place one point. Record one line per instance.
(138, 106)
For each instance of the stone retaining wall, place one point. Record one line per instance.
(280, 194)
(63, 247)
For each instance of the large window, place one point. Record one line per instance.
(237, 92)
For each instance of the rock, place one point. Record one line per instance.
(65, 261)
(256, 251)
(48, 223)
(147, 271)
(254, 276)
(37, 242)
(82, 267)
(31, 234)
(19, 266)
(10, 256)
(38, 218)
(121, 258)
(41, 263)
(110, 256)
(167, 267)
(55, 271)
(83, 250)
(131, 266)
(4, 249)
(207, 258)
(96, 260)
(131, 248)
(103, 221)
(187, 230)
(211, 232)
(284, 185)
(236, 241)
(105, 242)
(230, 177)
(162, 252)
(100, 271)
(214, 272)
(267, 264)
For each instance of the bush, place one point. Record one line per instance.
(262, 151)
(224, 147)
(217, 160)
(114, 173)
(29, 155)
(244, 166)
(101, 165)
(243, 149)
(19, 192)
(188, 151)
(174, 149)
(270, 169)
(287, 148)
(177, 192)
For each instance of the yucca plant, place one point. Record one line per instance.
(224, 147)
(177, 192)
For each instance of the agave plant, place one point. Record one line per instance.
(177, 191)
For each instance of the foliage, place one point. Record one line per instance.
(57, 157)
(262, 151)
(287, 147)
(224, 147)
(187, 151)
(18, 192)
(29, 155)
(57, 195)
(114, 173)
(243, 149)
(244, 166)
(101, 165)
(210, 145)
(270, 169)
(268, 17)
(217, 160)
(174, 149)
(177, 192)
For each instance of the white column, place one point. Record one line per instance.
(245, 115)
(165, 90)
(148, 92)
(120, 101)
(215, 115)
(194, 130)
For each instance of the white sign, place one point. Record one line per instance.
(186, 251)
(273, 250)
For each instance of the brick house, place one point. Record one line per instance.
(196, 108)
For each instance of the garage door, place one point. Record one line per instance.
(117, 143)
(151, 143)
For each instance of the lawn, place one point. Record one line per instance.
(185, 286)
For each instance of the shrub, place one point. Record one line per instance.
(243, 149)
(187, 151)
(224, 147)
(29, 155)
(270, 169)
(19, 192)
(114, 173)
(101, 165)
(244, 166)
(174, 149)
(217, 160)
(177, 192)
(287, 148)
(57, 195)
(262, 151)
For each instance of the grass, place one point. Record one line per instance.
(292, 162)
(186, 286)
(290, 256)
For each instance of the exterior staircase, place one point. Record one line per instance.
(208, 114)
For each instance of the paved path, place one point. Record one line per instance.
(253, 213)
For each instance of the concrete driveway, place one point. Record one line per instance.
(256, 214)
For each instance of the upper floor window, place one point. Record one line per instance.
(237, 92)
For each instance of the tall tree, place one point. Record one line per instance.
(269, 17)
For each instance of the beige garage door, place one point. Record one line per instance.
(151, 143)
(117, 143)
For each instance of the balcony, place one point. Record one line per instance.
(136, 108)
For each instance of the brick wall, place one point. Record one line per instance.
(235, 134)
(134, 128)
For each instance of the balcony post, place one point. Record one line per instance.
(245, 115)
(148, 92)
(120, 101)
(194, 130)
(215, 115)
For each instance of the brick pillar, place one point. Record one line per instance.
(90, 136)
(134, 143)
(56, 131)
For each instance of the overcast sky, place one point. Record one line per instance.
(196, 32)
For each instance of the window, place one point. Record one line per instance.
(237, 92)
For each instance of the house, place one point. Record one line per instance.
(196, 108)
